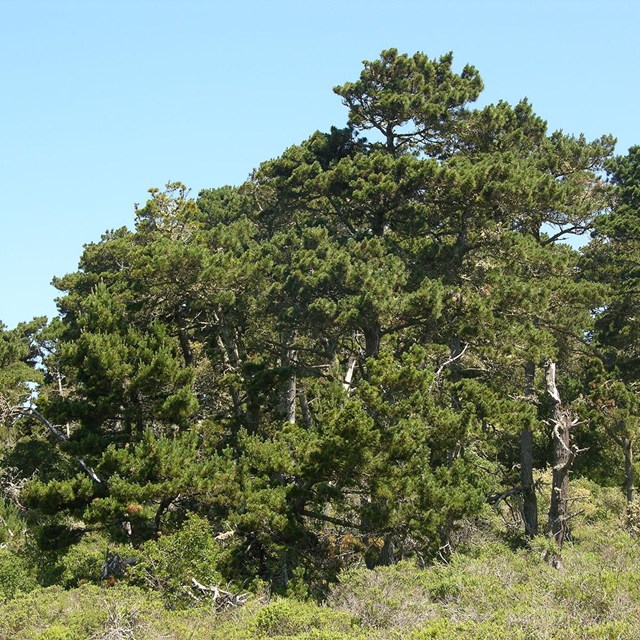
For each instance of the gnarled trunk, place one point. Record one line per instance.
(563, 457)
(348, 376)
(231, 355)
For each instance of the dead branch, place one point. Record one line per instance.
(496, 498)
(221, 599)
(337, 521)
(31, 412)
(446, 363)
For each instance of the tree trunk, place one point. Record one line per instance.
(348, 376)
(456, 350)
(187, 354)
(387, 553)
(231, 356)
(307, 416)
(529, 498)
(377, 225)
(288, 393)
(629, 474)
(290, 399)
(563, 457)
(372, 336)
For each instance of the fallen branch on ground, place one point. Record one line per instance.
(222, 599)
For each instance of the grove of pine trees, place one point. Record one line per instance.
(347, 356)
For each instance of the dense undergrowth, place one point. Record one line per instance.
(493, 586)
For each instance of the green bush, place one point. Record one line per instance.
(495, 593)
(58, 632)
(83, 562)
(16, 575)
(378, 599)
(53, 613)
(12, 526)
(169, 564)
(291, 617)
(447, 630)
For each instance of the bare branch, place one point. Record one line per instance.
(330, 519)
(31, 412)
(447, 363)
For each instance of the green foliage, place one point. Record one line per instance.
(82, 562)
(496, 592)
(13, 526)
(77, 614)
(611, 257)
(169, 564)
(18, 356)
(337, 362)
(291, 618)
(16, 575)
(633, 516)
(397, 90)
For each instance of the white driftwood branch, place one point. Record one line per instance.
(220, 597)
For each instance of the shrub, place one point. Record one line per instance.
(15, 575)
(12, 526)
(82, 562)
(58, 632)
(387, 597)
(168, 565)
(92, 612)
(633, 516)
(292, 617)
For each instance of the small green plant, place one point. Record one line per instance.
(82, 563)
(378, 599)
(12, 526)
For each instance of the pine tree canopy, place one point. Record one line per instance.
(340, 360)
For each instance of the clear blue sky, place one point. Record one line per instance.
(102, 99)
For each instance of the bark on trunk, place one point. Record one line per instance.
(231, 356)
(307, 416)
(187, 354)
(348, 376)
(289, 386)
(378, 223)
(529, 497)
(387, 553)
(629, 474)
(372, 336)
(290, 399)
(456, 350)
(563, 457)
(453, 364)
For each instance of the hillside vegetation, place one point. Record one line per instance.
(374, 391)
(490, 588)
